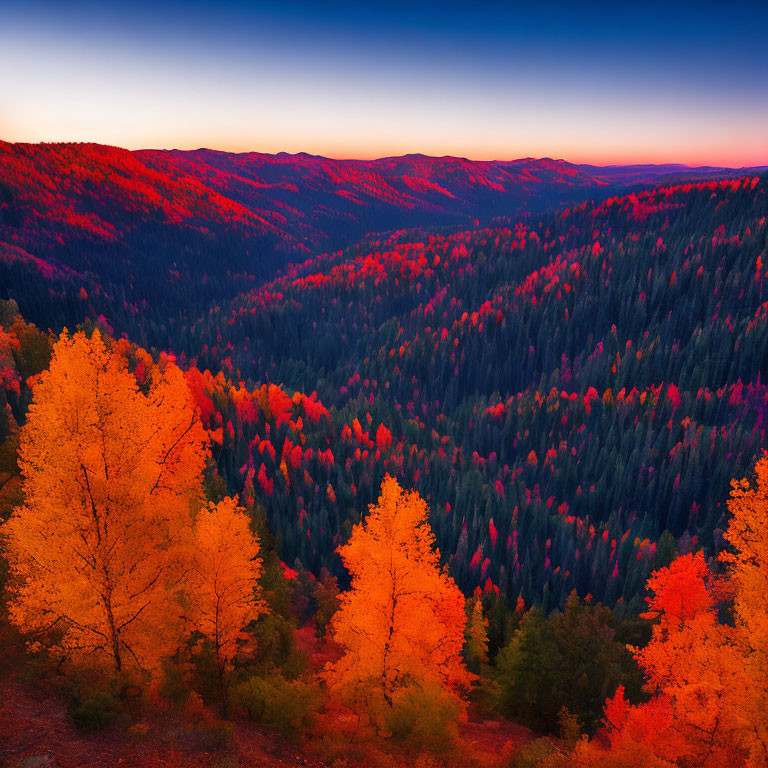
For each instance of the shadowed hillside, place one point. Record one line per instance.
(572, 393)
(153, 237)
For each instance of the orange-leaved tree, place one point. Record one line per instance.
(98, 550)
(709, 677)
(747, 564)
(223, 588)
(401, 624)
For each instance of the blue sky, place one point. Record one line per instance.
(651, 82)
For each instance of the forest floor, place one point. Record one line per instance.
(36, 732)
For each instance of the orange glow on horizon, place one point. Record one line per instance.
(93, 94)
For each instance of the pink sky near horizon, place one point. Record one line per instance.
(743, 150)
(317, 96)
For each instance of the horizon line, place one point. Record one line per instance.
(376, 158)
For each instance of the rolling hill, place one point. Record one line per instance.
(572, 393)
(151, 238)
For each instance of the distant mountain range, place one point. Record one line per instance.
(666, 173)
(120, 229)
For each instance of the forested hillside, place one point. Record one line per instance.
(89, 230)
(572, 393)
(241, 525)
(150, 239)
(323, 445)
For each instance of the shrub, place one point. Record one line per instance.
(570, 727)
(540, 754)
(276, 643)
(326, 594)
(571, 658)
(174, 683)
(93, 711)
(426, 717)
(288, 705)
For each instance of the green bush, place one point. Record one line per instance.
(276, 642)
(288, 705)
(426, 717)
(571, 658)
(174, 683)
(570, 727)
(326, 595)
(94, 711)
(540, 754)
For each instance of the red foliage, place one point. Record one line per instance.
(383, 438)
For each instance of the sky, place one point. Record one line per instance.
(596, 83)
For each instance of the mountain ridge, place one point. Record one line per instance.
(505, 373)
(111, 230)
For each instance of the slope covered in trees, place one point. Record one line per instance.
(131, 571)
(202, 603)
(571, 393)
(150, 239)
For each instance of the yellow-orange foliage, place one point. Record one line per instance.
(402, 621)
(223, 587)
(97, 549)
(747, 565)
(690, 662)
(709, 678)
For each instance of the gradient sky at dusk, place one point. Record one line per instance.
(649, 82)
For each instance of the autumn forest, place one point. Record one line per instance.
(407, 462)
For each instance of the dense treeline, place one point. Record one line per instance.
(134, 576)
(571, 394)
(150, 239)
(568, 396)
